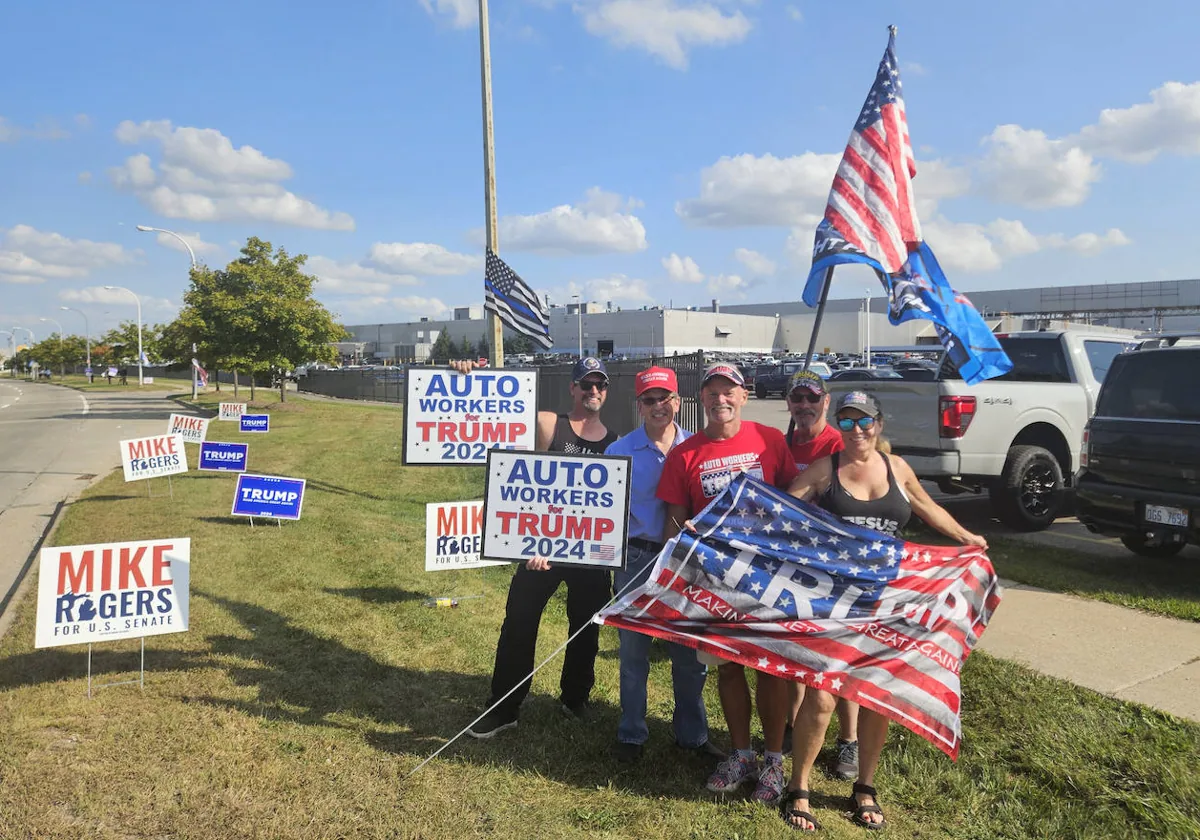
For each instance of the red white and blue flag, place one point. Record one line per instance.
(786, 588)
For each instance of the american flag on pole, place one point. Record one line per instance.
(200, 373)
(871, 218)
(788, 589)
(517, 305)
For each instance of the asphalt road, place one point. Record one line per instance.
(54, 442)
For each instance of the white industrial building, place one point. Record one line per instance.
(786, 326)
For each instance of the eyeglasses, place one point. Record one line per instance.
(848, 423)
(593, 386)
(650, 402)
(809, 397)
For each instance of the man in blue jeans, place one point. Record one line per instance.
(647, 446)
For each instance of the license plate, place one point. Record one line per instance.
(1162, 515)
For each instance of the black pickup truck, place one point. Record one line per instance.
(1139, 476)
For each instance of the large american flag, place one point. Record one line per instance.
(517, 305)
(788, 589)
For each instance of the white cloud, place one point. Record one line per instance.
(936, 181)
(84, 177)
(202, 177)
(620, 289)
(795, 14)
(116, 297)
(600, 224)
(421, 258)
(755, 263)
(971, 248)
(1024, 166)
(1169, 122)
(729, 285)
(462, 13)
(748, 190)
(912, 68)
(42, 130)
(666, 29)
(351, 277)
(682, 269)
(383, 308)
(194, 239)
(28, 255)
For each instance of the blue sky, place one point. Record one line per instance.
(647, 151)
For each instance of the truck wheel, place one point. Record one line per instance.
(1030, 491)
(1138, 544)
(760, 391)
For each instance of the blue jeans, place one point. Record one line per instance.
(690, 721)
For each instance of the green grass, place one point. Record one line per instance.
(313, 680)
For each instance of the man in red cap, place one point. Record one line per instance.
(647, 446)
(695, 473)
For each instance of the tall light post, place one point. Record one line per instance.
(579, 314)
(61, 362)
(32, 339)
(141, 378)
(867, 327)
(191, 253)
(87, 335)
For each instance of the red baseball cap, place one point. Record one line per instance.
(656, 377)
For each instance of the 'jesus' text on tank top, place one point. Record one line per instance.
(888, 514)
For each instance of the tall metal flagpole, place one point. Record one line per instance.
(495, 326)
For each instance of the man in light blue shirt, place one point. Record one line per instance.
(647, 446)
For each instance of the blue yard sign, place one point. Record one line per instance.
(255, 423)
(269, 496)
(218, 456)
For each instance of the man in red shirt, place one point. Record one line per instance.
(695, 472)
(811, 438)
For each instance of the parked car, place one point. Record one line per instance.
(864, 374)
(774, 379)
(1018, 436)
(1139, 476)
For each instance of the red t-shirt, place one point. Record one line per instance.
(822, 446)
(698, 469)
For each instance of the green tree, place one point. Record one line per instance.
(442, 348)
(466, 349)
(517, 343)
(123, 342)
(482, 349)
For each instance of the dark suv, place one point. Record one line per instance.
(1139, 475)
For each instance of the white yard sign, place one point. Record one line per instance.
(231, 411)
(191, 429)
(153, 456)
(454, 536)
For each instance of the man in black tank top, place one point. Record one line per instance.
(579, 432)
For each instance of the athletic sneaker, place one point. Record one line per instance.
(770, 782)
(845, 766)
(492, 723)
(732, 773)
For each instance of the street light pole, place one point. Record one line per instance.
(32, 339)
(192, 254)
(579, 313)
(141, 378)
(87, 336)
(867, 328)
(61, 362)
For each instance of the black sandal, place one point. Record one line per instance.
(785, 808)
(861, 811)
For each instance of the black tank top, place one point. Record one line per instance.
(565, 440)
(888, 514)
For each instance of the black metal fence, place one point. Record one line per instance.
(554, 388)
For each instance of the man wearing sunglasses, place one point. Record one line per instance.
(579, 432)
(647, 447)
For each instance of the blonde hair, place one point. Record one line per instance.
(882, 444)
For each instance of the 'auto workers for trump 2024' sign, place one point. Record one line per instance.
(454, 418)
(153, 456)
(567, 508)
(109, 591)
(454, 536)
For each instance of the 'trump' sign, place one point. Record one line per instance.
(191, 429)
(454, 536)
(452, 418)
(567, 508)
(268, 495)
(255, 423)
(231, 410)
(223, 457)
(109, 591)
(153, 456)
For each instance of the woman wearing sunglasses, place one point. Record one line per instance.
(865, 485)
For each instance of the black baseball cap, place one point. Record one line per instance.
(586, 366)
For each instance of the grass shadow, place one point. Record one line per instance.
(378, 594)
(342, 491)
(49, 665)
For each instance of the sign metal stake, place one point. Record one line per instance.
(141, 680)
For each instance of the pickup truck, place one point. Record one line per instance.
(1018, 436)
(774, 379)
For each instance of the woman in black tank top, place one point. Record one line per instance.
(863, 485)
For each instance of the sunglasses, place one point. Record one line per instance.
(848, 423)
(592, 386)
(650, 402)
(810, 397)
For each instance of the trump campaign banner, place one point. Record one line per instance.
(254, 423)
(455, 418)
(231, 411)
(454, 536)
(269, 496)
(151, 457)
(570, 509)
(788, 589)
(191, 429)
(218, 456)
(110, 591)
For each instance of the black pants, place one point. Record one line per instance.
(588, 589)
